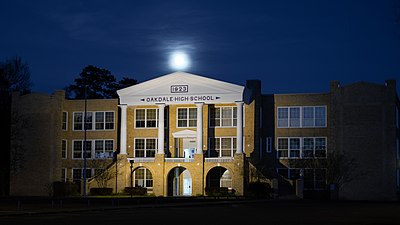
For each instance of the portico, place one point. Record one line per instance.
(180, 125)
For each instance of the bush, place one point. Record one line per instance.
(259, 189)
(64, 189)
(135, 191)
(101, 191)
(219, 191)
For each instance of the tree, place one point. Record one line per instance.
(97, 83)
(14, 76)
(340, 169)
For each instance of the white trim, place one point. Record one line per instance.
(233, 151)
(301, 116)
(145, 146)
(185, 134)
(93, 148)
(66, 148)
(93, 120)
(301, 147)
(268, 144)
(187, 117)
(220, 118)
(145, 119)
(66, 120)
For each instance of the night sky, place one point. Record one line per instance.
(292, 46)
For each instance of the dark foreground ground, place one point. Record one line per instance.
(204, 211)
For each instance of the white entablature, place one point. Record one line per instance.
(181, 88)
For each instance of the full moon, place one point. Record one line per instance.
(179, 61)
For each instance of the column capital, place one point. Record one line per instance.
(160, 104)
(199, 103)
(239, 103)
(122, 106)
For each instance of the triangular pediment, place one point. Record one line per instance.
(180, 87)
(185, 134)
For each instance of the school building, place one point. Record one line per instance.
(181, 133)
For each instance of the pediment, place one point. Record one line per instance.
(181, 87)
(185, 134)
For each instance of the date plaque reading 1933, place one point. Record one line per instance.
(179, 88)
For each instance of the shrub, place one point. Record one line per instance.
(259, 189)
(101, 191)
(219, 191)
(64, 189)
(135, 190)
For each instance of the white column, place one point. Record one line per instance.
(161, 128)
(199, 124)
(239, 128)
(122, 139)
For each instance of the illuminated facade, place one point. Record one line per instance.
(182, 133)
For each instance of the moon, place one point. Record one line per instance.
(179, 60)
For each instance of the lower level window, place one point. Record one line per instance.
(222, 147)
(143, 178)
(314, 179)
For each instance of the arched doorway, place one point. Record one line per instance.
(219, 177)
(179, 182)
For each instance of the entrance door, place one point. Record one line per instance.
(187, 183)
(189, 147)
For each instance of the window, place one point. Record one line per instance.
(78, 149)
(269, 144)
(289, 173)
(145, 147)
(301, 116)
(64, 125)
(143, 178)
(222, 147)
(223, 117)
(63, 174)
(187, 117)
(64, 149)
(294, 147)
(77, 174)
(94, 120)
(305, 147)
(146, 118)
(314, 179)
(283, 147)
(283, 117)
(103, 149)
(294, 116)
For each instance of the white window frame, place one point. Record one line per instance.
(144, 177)
(93, 122)
(187, 117)
(64, 150)
(104, 149)
(145, 147)
(233, 143)
(301, 122)
(233, 119)
(64, 174)
(145, 118)
(301, 147)
(81, 169)
(64, 115)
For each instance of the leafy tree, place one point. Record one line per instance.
(96, 83)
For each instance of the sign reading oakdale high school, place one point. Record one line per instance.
(181, 88)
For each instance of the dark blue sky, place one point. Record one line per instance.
(291, 46)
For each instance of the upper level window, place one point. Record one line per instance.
(64, 125)
(187, 117)
(301, 116)
(94, 120)
(64, 149)
(146, 118)
(223, 116)
(145, 147)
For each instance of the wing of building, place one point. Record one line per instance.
(183, 134)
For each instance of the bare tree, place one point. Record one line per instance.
(105, 171)
(340, 169)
